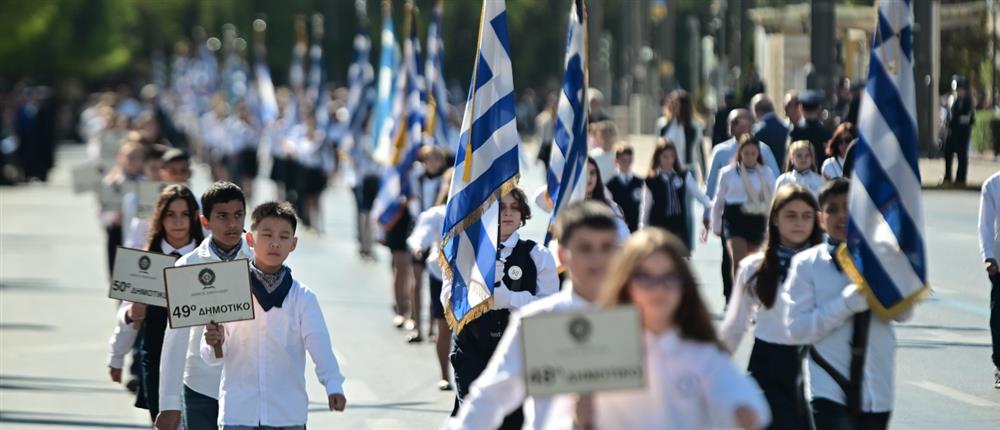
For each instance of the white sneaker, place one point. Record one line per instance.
(996, 378)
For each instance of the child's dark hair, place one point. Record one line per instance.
(154, 152)
(598, 193)
(221, 192)
(584, 214)
(832, 189)
(623, 149)
(167, 196)
(765, 281)
(522, 204)
(282, 210)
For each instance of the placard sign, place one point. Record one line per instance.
(87, 176)
(147, 192)
(138, 276)
(212, 292)
(583, 351)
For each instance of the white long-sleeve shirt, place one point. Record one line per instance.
(125, 331)
(989, 218)
(745, 306)
(426, 235)
(264, 362)
(818, 313)
(621, 228)
(833, 168)
(180, 360)
(731, 190)
(723, 155)
(810, 179)
(689, 385)
(500, 389)
(547, 278)
(646, 203)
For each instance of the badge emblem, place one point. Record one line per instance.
(206, 277)
(637, 194)
(144, 263)
(678, 182)
(515, 273)
(579, 329)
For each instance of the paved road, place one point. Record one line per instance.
(55, 320)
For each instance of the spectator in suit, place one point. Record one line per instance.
(769, 128)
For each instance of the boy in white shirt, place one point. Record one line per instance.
(263, 363)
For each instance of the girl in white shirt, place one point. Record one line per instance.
(836, 149)
(775, 361)
(666, 191)
(691, 382)
(801, 168)
(742, 199)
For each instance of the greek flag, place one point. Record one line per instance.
(360, 76)
(566, 175)
(267, 108)
(884, 253)
(407, 137)
(437, 91)
(486, 168)
(314, 93)
(386, 70)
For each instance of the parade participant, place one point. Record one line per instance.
(665, 192)
(775, 363)
(185, 378)
(989, 249)
(625, 187)
(690, 381)
(128, 169)
(176, 231)
(597, 192)
(309, 171)
(836, 150)
(744, 194)
(152, 163)
(851, 360)
(800, 168)
(424, 243)
(601, 137)
(427, 184)
(264, 359)
(175, 167)
(275, 135)
(214, 138)
(243, 134)
(528, 274)
(587, 232)
(722, 156)
(684, 131)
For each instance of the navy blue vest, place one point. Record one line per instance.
(628, 197)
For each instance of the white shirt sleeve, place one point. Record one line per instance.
(807, 321)
(500, 389)
(729, 389)
(547, 283)
(122, 338)
(645, 207)
(173, 357)
(422, 236)
(207, 351)
(741, 309)
(692, 189)
(719, 204)
(316, 338)
(987, 221)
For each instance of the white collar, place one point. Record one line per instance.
(205, 250)
(665, 342)
(167, 249)
(573, 297)
(511, 241)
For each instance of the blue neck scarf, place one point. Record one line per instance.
(270, 289)
(785, 255)
(225, 255)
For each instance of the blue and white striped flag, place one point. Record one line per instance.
(267, 107)
(437, 90)
(567, 175)
(486, 168)
(884, 254)
(407, 137)
(386, 70)
(360, 76)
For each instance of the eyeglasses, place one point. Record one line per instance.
(649, 281)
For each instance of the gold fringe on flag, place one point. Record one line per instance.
(843, 256)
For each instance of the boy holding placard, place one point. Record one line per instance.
(184, 377)
(263, 363)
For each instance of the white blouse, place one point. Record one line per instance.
(833, 168)
(731, 190)
(809, 179)
(746, 306)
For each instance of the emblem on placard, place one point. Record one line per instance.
(579, 329)
(206, 277)
(144, 263)
(515, 273)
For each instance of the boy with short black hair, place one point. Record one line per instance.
(587, 234)
(851, 355)
(184, 377)
(625, 187)
(263, 363)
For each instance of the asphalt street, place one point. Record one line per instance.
(55, 319)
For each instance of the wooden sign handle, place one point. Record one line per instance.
(218, 350)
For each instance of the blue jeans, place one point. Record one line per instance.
(302, 427)
(200, 412)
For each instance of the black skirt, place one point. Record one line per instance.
(279, 169)
(750, 227)
(247, 163)
(778, 371)
(395, 237)
(437, 308)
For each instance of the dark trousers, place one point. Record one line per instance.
(471, 351)
(961, 150)
(114, 233)
(200, 411)
(830, 415)
(727, 270)
(995, 318)
(778, 371)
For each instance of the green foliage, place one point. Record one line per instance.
(982, 131)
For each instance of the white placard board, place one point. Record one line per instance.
(583, 351)
(147, 192)
(138, 276)
(87, 176)
(212, 292)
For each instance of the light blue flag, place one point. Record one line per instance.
(385, 86)
(486, 168)
(884, 254)
(438, 127)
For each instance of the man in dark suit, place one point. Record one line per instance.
(720, 130)
(960, 120)
(769, 128)
(813, 130)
